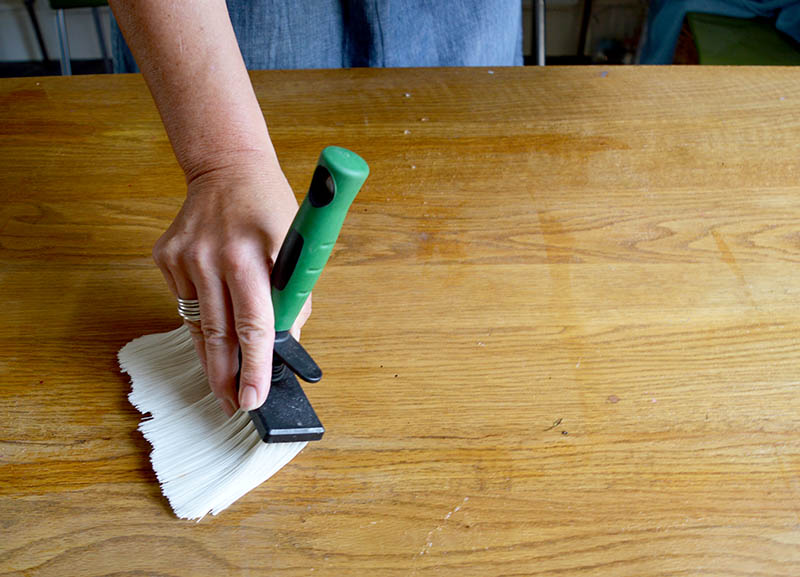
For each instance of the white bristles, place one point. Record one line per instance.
(204, 460)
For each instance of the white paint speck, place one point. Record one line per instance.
(407, 95)
(490, 71)
(413, 167)
(406, 131)
(429, 538)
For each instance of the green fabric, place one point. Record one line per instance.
(726, 40)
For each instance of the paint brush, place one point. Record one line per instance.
(203, 460)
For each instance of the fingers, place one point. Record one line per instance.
(247, 277)
(227, 408)
(217, 335)
(167, 274)
(236, 311)
(196, 332)
(181, 286)
(186, 287)
(192, 274)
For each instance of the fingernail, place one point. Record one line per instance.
(227, 407)
(248, 398)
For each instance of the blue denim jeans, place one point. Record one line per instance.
(280, 34)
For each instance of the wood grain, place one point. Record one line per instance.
(560, 329)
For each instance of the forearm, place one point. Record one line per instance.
(189, 57)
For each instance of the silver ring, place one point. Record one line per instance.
(189, 309)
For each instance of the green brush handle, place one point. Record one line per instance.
(309, 242)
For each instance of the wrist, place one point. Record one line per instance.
(254, 162)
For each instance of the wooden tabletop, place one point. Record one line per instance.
(560, 330)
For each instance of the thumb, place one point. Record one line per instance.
(252, 309)
(255, 369)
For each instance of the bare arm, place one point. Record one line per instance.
(238, 207)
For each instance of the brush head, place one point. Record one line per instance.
(203, 459)
(286, 416)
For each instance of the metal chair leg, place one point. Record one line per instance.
(538, 12)
(66, 66)
(38, 31)
(101, 38)
(585, 17)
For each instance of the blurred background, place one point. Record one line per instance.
(35, 34)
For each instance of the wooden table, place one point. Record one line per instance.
(561, 329)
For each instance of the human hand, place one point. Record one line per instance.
(220, 250)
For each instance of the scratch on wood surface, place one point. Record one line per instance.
(727, 254)
(429, 538)
(730, 260)
(556, 423)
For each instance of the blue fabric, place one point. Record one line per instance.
(281, 34)
(665, 20)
